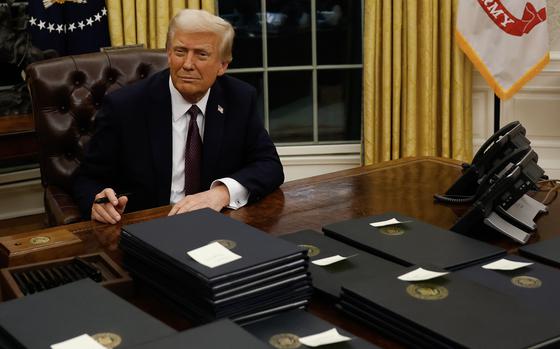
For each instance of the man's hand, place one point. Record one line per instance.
(111, 211)
(215, 198)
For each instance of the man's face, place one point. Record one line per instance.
(194, 63)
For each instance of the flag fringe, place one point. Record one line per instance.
(487, 75)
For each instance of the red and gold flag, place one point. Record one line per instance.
(507, 40)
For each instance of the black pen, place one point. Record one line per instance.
(69, 273)
(54, 279)
(105, 199)
(61, 274)
(39, 286)
(28, 282)
(91, 271)
(20, 283)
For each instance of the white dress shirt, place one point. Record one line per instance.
(238, 194)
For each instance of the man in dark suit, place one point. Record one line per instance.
(188, 135)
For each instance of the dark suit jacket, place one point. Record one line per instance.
(132, 146)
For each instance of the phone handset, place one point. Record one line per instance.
(509, 144)
(504, 190)
(496, 144)
(484, 205)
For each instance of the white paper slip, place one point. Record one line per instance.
(323, 338)
(81, 342)
(421, 274)
(505, 264)
(213, 255)
(331, 260)
(391, 221)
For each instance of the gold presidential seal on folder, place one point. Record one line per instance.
(427, 291)
(312, 251)
(39, 240)
(229, 244)
(526, 281)
(392, 230)
(108, 339)
(284, 341)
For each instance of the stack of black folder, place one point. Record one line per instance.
(284, 331)
(82, 307)
(328, 279)
(536, 285)
(270, 277)
(413, 242)
(449, 312)
(546, 251)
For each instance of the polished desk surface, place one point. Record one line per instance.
(405, 185)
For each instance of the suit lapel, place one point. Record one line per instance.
(216, 112)
(159, 128)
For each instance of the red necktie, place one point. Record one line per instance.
(193, 154)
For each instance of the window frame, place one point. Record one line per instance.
(313, 67)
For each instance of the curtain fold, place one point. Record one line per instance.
(417, 83)
(145, 21)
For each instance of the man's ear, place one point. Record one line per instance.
(168, 51)
(223, 68)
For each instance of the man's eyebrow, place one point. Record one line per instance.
(205, 47)
(197, 50)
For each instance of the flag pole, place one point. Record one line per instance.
(497, 105)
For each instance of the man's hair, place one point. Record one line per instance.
(198, 21)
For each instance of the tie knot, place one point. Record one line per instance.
(193, 111)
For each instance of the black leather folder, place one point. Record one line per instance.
(537, 285)
(170, 238)
(299, 323)
(329, 279)
(452, 311)
(390, 327)
(546, 251)
(412, 243)
(275, 278)
(271, 274)
(267, 313)
(190, 309)
(218, 334)
(53, 316)
(200, 310)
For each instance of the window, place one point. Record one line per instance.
(304, 57)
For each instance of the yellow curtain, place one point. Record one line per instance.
(417, 83)
(145, 21)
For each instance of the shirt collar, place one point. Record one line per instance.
(180, 105)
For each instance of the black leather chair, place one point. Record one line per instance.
(66, 93)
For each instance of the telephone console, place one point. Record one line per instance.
(506, 145)
(496, 183)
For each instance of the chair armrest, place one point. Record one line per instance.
(60, 207)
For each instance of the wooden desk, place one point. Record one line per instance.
(406, 186)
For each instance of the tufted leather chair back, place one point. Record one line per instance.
(66, 93)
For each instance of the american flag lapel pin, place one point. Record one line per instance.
(220, 109)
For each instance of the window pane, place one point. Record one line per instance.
(339, 99)
(339, 32)
(290, 105)
(255, 79)
(244, 16)
(288, 25)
